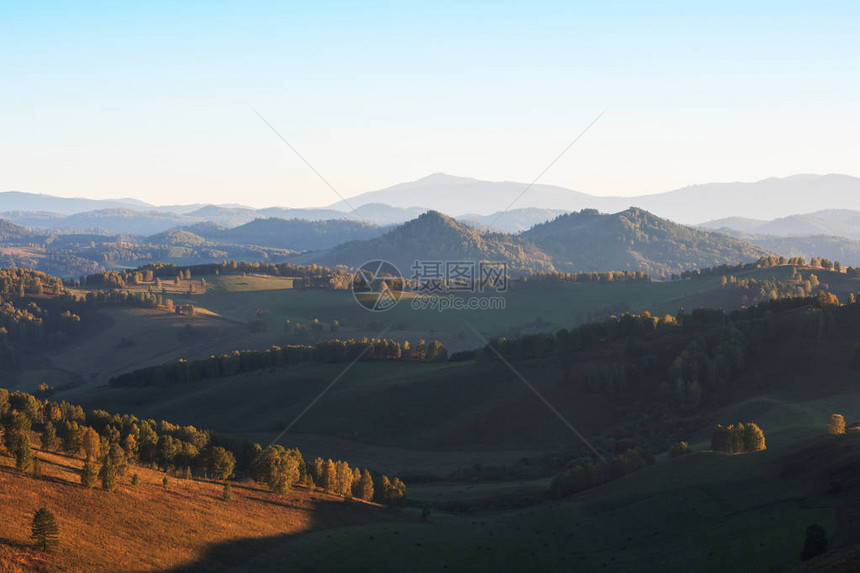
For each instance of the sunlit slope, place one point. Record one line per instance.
(149, 527)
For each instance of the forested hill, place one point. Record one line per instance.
(436, 237)
(634, 239)
(11, 233)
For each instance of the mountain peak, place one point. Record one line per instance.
(436, 220)
(440, 178)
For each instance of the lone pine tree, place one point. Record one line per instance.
(45, 532)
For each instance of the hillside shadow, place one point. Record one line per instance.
(16, 543)
(42, 477)
(225, 556)
(234, 553)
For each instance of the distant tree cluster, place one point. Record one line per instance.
(592, 473)
(761, 263)
(766, 289)
(738, 439)
(592, 277)
(34, 309)
(313, 276)
(145, 299)
(237, 362)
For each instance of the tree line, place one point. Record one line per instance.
(588, 277)
(313, 276)
(109, 443)
(241, 361)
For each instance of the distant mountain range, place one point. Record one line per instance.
(834, 222)
(508, 206)
(831, 233)
(766, 199)
(546, 228)
(157, 220)
(632, 239)
(20, 201)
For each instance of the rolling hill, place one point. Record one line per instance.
(435, 237)
(586, 241)
(13, 234)
(636, 240)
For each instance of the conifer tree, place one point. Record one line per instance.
(220, 463)
(356, 477)
(16, 437)
(329, 477)
(365, 486)
(45, 532)
(89, 473)
(107, 474)
(343, 478)
(49, 437)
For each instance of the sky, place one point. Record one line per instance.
(156, 100)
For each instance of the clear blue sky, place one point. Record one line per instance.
(155, 99)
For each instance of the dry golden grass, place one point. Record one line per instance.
(149, 527)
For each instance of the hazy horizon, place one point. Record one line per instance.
(158, 101)
(333, 204)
